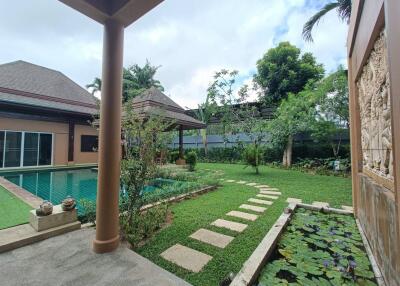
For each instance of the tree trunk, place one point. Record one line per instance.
(287, 154)
(204, 137)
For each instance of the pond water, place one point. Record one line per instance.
(319, 249)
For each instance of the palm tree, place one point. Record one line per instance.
(95, 85)
(343, 8)
(136, 79)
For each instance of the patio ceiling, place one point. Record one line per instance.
(124, 11)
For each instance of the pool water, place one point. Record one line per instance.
(56, 185)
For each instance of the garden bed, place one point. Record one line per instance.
(310, 246)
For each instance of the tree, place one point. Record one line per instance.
(333, 96)
(137, 79)
(139, 167)
(204, 113)
(296, 114)
(343, 8)
(249, 122)
(222, 94)
(283, 70)
(95, 86)
(332, 119)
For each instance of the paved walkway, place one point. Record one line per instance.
(68, 260)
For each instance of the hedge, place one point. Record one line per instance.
(270, 154)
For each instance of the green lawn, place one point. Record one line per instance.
(13, 211)
(197, 213)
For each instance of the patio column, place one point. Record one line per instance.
(107, 220)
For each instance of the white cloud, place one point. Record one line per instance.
(189, 39)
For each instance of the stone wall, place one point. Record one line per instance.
(374, 101)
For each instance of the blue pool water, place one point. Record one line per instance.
(56, 185)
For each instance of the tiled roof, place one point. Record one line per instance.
(28, 84)
(155, 95)
(153, 101)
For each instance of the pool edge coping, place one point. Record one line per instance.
(257, 260)
(22, 194)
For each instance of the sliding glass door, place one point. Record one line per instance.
(12, 150)
(25, 149)
(31, 143)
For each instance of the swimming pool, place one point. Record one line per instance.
(56, 185)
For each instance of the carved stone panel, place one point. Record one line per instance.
(374, 100)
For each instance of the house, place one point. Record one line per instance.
(45, 118)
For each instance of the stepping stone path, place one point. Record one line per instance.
(348, 208)
(243, 215)
(321, 204)
(293, 200)
(267, 196)
(253, 208)
(262, 187)
(235, 226)
(263, 202)
(269, 189)
(186, 257)
(211, 237)
(194, 260)
(270, 193)
(251, 184)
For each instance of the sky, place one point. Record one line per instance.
(189, 39)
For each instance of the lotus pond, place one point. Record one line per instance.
(319, 249)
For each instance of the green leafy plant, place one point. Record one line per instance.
(173, 156)
(252, 156)
(88, 211)
(143, 224)
(191, 160)
(319, 249)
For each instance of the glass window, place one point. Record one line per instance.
(1, 148)
(89, 143)
(45, 147)
(31, 149)
(13, 149)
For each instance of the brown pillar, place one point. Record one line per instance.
(181, 160)
(107, 220)
(71, 141)
(181, 143)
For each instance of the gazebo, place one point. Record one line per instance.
(153, 101)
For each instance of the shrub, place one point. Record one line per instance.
(252, 155)
(88, 211)
(173, 156)
(191, 160)
(143, 224)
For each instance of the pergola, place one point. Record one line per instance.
(115, 15)
(153, 101)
